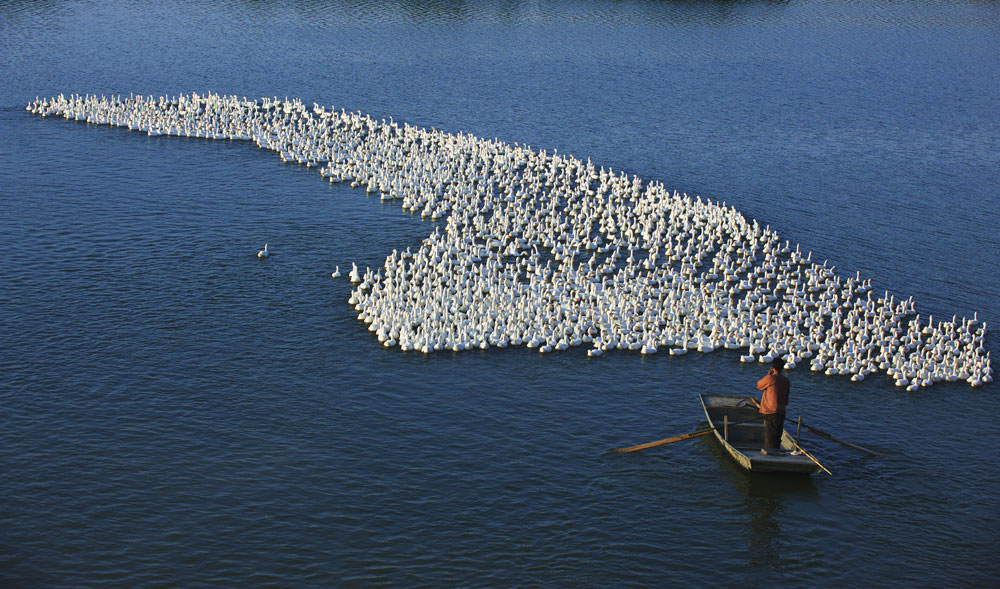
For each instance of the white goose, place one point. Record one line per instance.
(754, 293)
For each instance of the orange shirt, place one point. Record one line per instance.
(775, 397)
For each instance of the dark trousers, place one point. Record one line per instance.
(773, 424)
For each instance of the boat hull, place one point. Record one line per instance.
(744, 441)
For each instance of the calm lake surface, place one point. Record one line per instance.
(177, 412)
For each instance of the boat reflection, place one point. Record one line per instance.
(765, 497)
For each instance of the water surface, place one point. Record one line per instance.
(178, 411)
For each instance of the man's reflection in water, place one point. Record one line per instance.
(766, 496)
(763, 530)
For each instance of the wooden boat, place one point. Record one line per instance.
(744, 441)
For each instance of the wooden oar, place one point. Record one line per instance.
(829, 437)
(666, 441)
(679, 438)
(803, 450)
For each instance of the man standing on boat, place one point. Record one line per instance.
(772, 403)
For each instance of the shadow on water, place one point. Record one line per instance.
(765, 497)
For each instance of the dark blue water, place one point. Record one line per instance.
(176, 411)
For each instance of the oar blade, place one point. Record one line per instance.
(823, 434)
(679, 438)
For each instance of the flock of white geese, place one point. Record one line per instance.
(547, 251)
